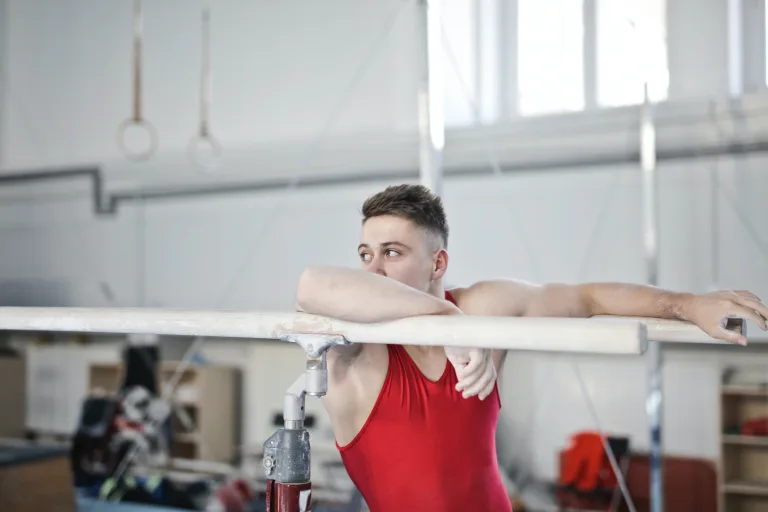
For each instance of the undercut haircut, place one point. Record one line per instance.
(413, 202)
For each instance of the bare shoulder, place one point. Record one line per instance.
(495, 297)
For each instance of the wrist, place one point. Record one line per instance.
(680, 305)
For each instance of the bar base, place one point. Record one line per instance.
(289, 497)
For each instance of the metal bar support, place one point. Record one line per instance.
(431, 117)
(286, 459)
(654, 403)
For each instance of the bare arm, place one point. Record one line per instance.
(358, 296)
(509, 297)
(624, 299)
(515, 298)
(709, 311)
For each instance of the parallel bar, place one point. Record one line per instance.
(603, 334)
(673, 331)
(576, 335)
(549, 334)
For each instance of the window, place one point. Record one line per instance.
(631, 49)
(460, 64)
(470, 62)
(765, 38)
(550, 56)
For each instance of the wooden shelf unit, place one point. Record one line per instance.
(208, 395)
(743, 471)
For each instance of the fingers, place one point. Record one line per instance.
(758, 307)
(730, 336)
(471, 371)
(464, 373)
(477, 378)
(747, 294)
(481, 385)
(469, 374)
(489, 388)
(750, 311)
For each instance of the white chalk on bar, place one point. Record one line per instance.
(675, 331)
(577, 335)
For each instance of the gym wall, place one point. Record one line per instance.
(279, 74)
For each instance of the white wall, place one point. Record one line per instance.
(67, 88)
(279, 71)
(194, 250)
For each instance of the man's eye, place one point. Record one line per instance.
(365, 256)
(392, 252)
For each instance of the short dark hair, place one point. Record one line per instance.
(413, 202)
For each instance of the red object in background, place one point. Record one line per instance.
(121, 423)
(288, 497)
(755, 427)
(235, 495)
(585, 466)
(690, 485)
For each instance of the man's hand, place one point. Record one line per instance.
(474, 369)
(711, 311)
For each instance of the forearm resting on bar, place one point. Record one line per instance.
(358, 296)
(635, 300)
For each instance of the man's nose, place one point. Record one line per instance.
(377, 268)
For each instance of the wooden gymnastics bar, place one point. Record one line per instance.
(601, 335)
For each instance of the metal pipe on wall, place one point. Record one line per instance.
(108, 203)
(431, 118)
(654, 403)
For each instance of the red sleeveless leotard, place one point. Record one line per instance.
(425, 448)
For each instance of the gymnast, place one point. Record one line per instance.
(416, 425)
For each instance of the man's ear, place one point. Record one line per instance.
(439, 264)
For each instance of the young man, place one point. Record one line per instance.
(416, 425)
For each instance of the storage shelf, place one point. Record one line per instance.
(733, 439)
(743, 471)
(207, 394)
(747, 488)
(186, 437)
(736, 390)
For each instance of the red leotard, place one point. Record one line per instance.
(425, 448)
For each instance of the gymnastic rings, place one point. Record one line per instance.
(137, 120)
(210, 160)
(204, 138)
(123, 135)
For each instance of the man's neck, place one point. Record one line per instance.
(437, 289)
